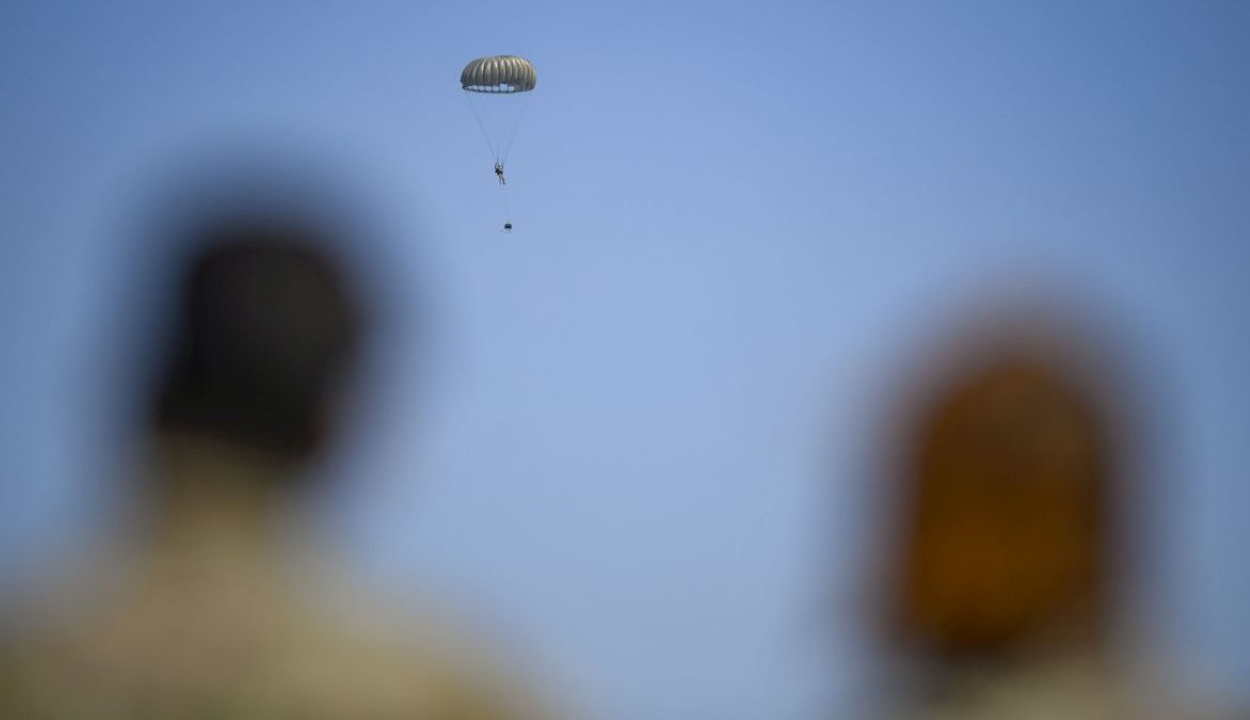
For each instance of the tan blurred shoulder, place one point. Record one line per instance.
(262, 654)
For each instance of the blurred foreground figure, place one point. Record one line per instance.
(211, 618)
(1005, 573)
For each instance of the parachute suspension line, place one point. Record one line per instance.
(481, 125)
(498, 118)
(514, 123)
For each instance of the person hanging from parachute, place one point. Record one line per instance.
(498, 89)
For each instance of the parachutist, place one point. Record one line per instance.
(507, 227)
(499, 173)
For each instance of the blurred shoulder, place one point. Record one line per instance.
(259, 652)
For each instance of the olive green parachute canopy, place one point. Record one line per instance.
(499, 74)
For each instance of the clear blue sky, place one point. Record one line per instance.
(731, 218)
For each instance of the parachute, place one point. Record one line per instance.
(498, 89)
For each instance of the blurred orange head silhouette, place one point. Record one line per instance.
(1004, 544)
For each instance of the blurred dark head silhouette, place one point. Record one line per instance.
(266, 327)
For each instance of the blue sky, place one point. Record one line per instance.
(734, 221)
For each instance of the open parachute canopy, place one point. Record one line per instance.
(498, 89)
(501, 74)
